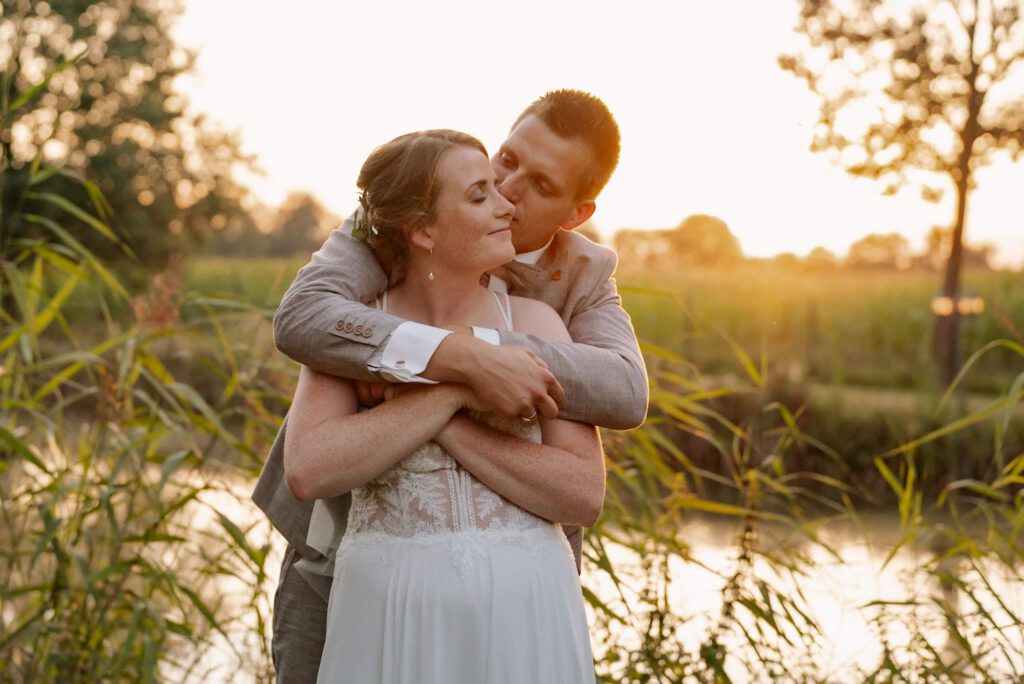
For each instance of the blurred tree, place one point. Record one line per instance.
(638, 247)
(786, 261)
(114, 117)
(889, 251)
(296, 228)
(705, 240)
(921, 85)
(936, 249)
(700, 240)
(299, 226)
(821, 258)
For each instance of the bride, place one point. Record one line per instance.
(453, 567)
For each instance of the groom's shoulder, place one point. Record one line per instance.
(587, 254)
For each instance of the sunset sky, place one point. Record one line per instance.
(710, 124)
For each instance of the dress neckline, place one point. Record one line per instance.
(501, 300)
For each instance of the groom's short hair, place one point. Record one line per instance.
(577, 115)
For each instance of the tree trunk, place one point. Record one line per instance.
(947, 328)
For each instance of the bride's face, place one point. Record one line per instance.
(472, 231)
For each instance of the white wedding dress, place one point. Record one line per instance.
(438, 579)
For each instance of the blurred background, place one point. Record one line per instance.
(821, 247)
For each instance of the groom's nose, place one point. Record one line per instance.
(511, 187)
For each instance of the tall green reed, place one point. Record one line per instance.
(124, 556)
(733, 446)
(130, 550)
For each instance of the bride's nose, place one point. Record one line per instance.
(504, 208)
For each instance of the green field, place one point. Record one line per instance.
(842, 327)
(863, 328)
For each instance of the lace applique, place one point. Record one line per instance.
(428, 498)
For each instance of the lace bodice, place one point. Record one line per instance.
(428, 498)
(428, 492)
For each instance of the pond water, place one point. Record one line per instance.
(839, 591)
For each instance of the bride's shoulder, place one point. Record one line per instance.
(537, 318)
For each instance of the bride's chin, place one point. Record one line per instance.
(499, 258)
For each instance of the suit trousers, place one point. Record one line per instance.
(299, 624)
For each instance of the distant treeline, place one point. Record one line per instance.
(707, 241)
(296, 228)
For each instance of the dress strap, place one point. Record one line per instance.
(504, 308)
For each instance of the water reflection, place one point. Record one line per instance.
(238, 654)
(854, 595)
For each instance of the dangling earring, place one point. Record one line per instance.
(430, 275)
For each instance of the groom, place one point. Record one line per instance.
(560, 153)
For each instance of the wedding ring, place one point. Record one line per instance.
(529, 418)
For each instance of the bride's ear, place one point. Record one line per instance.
(420, 236)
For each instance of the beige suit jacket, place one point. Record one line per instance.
(321, 324)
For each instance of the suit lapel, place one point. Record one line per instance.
(521, 278)
(528, 280)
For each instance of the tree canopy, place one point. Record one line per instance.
(96, 82)
(921, 88)
(699, 240)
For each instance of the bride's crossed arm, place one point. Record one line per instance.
(562, 479)
(331, 449)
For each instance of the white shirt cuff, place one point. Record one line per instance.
(487, 335)
(408, 351)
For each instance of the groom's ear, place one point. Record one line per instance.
(583, 211)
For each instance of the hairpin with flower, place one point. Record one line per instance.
(363, 229)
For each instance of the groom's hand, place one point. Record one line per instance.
(510, 381)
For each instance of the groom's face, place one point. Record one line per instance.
(540, 173)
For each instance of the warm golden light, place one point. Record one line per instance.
(942, 306)
(682, 154)
(967, 305)
(971, 306)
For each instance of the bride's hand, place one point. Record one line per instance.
(370, 394)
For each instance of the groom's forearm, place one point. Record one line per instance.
(321, 322)
(602, 371)
(603, 387)
(306, 329)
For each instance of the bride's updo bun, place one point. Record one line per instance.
(400, 189)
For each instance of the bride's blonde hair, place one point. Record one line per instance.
(400, 185)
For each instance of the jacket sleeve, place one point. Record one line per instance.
(602, 371)
(322, 322)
